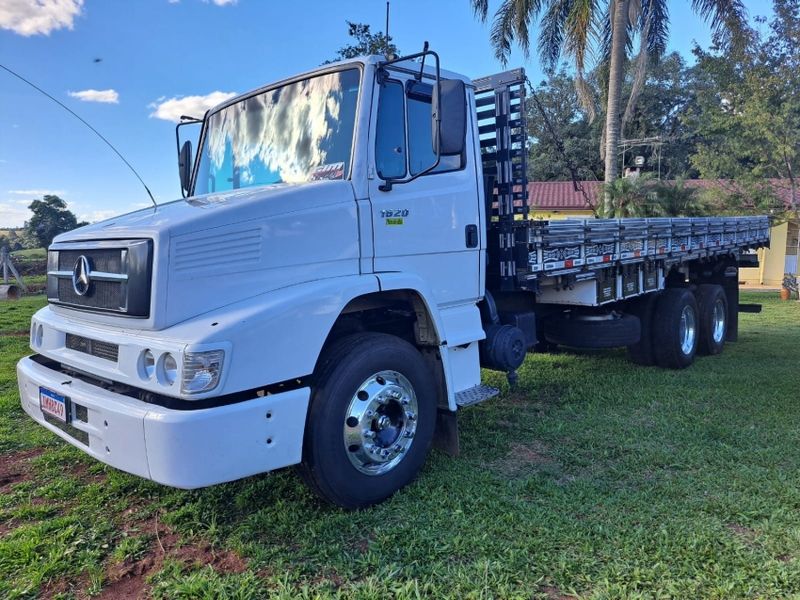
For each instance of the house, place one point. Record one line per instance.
(560, 200)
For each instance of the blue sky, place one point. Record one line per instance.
(162, 57)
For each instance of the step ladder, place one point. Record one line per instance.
(475, 394)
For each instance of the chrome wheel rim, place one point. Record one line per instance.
(380, 423)
(718, 321)
(688, 329)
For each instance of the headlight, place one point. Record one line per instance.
(37, 334)
(147, 365)
(201, 371)
(169, 369)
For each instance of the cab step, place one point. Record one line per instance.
(476, 394)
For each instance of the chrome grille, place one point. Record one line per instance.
(106, 260)
(96, 348)
(107, 275)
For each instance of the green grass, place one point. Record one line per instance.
(594, 478)
(30, 254)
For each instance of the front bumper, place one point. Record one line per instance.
(180, 448)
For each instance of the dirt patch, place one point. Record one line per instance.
(745, 534)
(524, 459)
(80, 470)
(128, 580)
(62, 586)
(553, 593)
(20, 333)
(15, 467)
(533, 454)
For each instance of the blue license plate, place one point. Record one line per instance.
(54, 405)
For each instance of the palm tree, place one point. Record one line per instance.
(575, 29)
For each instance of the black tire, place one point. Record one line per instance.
(593, 332)
(667, 334)
(344, 367)
(711, 299)
(641, 353)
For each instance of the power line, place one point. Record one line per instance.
(82, 120)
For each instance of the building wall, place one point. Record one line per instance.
(771, 260)
(560, 214)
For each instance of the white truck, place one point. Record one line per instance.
(352, 247)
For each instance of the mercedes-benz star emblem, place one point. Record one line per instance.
(81, 276)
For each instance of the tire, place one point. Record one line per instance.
(641, 353)
(354, 377)
(609, 331)
(675, 339)
(713, 309)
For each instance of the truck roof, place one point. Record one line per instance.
(367, 60)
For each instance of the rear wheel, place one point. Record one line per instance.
(675, 329)
(713, 310)
(371, 420)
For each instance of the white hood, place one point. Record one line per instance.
(213, 250)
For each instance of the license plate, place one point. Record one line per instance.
(54, 405)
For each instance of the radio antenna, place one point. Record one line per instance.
(82, 120)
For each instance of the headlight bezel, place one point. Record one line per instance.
(201, 366)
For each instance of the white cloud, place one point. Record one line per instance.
(98, 215)
(33, 193)
(33, 17)
(193, 106)
(13, 214)
(105, 96)
(223, 2)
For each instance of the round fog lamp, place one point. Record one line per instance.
(148, 364)
(169, 369)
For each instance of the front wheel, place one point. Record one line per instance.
(370, 422)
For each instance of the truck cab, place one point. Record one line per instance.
(187, 343)
(353, 245)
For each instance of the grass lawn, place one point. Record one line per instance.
(594, 478)
(30, 254)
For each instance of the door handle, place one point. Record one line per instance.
(471, 236)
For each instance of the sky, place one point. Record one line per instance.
(131, 68)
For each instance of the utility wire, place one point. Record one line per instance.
(82, 120)
(573, 170)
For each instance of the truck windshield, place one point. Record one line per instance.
(302, 131)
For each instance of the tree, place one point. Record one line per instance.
(675, 199)
(568, 27)
(668, 93)
(364, 43)
(50, 218)
(570, 124)
(748, 114)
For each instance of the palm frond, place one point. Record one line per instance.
(640, 65)
(657, 11)
(581, 27)
(481, 9)
(585, 96)
(512, 23)
(551, 33)
(728, 19)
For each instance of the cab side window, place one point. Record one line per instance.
(390, 135)
(402, 146)
(420, 139)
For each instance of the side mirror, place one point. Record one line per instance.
(185, 166)
(450, 132)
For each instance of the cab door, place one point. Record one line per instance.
(430, 226)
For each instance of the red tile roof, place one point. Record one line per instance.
(562, 195)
